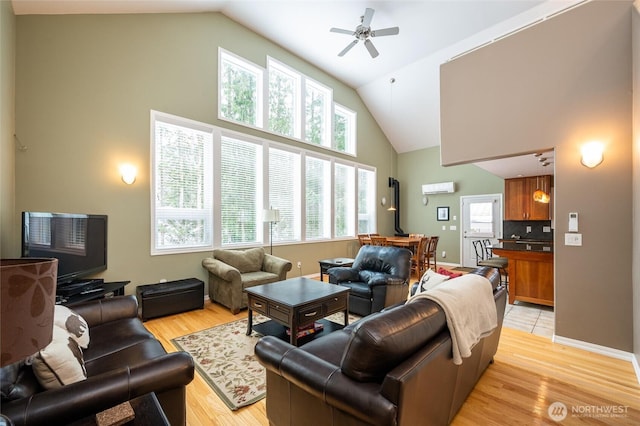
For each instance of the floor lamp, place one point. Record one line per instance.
(272, 216)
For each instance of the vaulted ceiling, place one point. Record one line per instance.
(431, 33)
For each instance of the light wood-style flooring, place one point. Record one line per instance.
(529, 373)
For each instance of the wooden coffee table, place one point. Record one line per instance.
(294, 303)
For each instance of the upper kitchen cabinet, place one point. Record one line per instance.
(519, 202)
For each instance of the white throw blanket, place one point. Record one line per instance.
(470, 309)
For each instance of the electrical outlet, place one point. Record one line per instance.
(444, 254)
(299, 264)
(163, 280)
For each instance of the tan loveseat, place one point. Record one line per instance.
(231, 271)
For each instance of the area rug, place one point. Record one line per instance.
(225, 359)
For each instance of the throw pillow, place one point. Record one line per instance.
(450, 274)
(430, 280)
(249, 260)
(73, 323)
(59, 363)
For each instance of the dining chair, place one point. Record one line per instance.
(377, 240)
(363, 239)
(418, 259)
(432, 250)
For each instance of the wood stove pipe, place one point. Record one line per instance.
(393, 183)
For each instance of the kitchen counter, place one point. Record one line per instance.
(530, 270)
(524, 245)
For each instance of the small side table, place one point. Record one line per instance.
(331, 263)
(147, 410)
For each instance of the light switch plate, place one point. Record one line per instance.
(453, 228)
(572, 239)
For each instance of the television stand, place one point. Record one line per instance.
(101, 291)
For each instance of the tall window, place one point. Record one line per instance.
(284, 193)
(240, 90)
(284, 100)
(366, 201)
(317, 198)
(183, 183)
(317, 106)
(241, 191)
(344, 198)
(210, 186)
(295, 106)
(344, 132)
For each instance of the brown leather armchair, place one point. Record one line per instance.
(123, 361)
(376, 272)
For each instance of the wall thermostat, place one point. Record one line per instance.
(573, 222)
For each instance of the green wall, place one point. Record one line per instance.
(421, 167)
(84, 87)
(8, 231)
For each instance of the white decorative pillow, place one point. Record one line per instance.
(73, 323)
(59, 363)
(430, 280)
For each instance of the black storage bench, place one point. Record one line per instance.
(170, 297)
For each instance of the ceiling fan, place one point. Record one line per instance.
(364, 32)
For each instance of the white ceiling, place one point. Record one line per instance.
(431, 33)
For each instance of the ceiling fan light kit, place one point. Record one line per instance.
(364, 32)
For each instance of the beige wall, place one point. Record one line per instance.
(559, 84)
(636, 183)
(84, 88)
(8, 241)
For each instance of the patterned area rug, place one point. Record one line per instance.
(224, 357)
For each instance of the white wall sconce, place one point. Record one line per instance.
(128, 173)
(592, 154)
(383, 201)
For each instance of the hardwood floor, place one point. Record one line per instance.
(529, 373)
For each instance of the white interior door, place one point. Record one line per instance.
(481, 219)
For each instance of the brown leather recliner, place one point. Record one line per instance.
(376, 270)
(123, 361)
(394, 367)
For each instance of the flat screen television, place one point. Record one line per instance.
(78, 241)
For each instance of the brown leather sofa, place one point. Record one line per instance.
(123, 361)
(394, 367)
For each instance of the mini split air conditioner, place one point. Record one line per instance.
(438, 188)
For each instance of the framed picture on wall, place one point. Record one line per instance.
(443, 213)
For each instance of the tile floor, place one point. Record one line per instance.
(529, 317)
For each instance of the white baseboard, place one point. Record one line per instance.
(602, 350)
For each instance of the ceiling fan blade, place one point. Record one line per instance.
(385, 32)
(371, 48)
(348, 48)
(368, 16)
(341, 31)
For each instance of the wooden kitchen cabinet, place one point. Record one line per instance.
(518, 195)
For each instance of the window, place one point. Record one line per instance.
(284, 100)
(344, 198)
(240, 90)
(284, 193)
(210, 186)
(344, 132)
(366, 201)
(295, 106)
(182, 181)
(241, 191)
(317, 106)
(317, 198)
